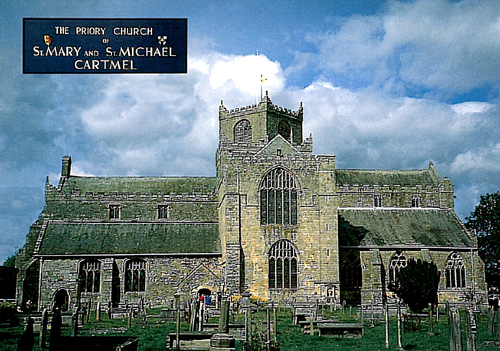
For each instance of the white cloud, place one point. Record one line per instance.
(433, 44)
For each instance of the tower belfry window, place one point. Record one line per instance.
(243, 132)
(278, 198)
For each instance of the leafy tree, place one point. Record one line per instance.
(10, 261)
(484, 223)
(417, 284)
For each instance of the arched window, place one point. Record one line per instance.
(90, 276)
(350, 271)
(278, 198)
(243, 132)
(397, 262)
(135, 275)
(283, 266)
(284, 130)
(455, 271)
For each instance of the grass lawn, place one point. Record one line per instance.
(153, 336)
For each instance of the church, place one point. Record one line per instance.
(276, 220)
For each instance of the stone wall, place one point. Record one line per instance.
(164, 277)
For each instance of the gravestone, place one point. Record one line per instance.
(43, 329)
(223, 340)
(27, 340)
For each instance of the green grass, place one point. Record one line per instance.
(153, 336)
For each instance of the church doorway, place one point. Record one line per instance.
(61, 300)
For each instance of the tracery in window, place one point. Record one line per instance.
(415, 201)
(243, 132)
(114, 211)
(283, 266)
(278, 198)
(397, 262)
(163, 211)
(455, 271)
(90, 276)
(135, 275)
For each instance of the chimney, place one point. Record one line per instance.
(66, 166)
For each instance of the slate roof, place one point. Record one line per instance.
(432, 228)
(143, 185)
(387, 177)
(130, 238)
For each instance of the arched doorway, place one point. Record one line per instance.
(61, 300)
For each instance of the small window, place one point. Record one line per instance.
(114, 211)
(377, 200)
(415, 201)
(163, 211)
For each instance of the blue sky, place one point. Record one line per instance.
(385, 85)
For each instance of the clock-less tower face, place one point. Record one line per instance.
(284, 130)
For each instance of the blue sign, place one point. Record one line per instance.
(104, 45)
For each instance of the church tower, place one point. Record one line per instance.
(273, 234)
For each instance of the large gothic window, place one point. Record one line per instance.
(278, 198)
(455, 271)
(243, 132)
(397, 262)
(283, 266)
(135, 275)
(284, 130)
(90, 276)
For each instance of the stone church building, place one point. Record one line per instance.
(276, 220)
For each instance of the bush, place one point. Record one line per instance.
(417, 284)
(7, 312)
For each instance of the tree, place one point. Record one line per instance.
(417, 284)
(484, 223)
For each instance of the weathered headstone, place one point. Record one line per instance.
(27, 340)
(498, 324)
(275, 324)
(457, 330)
(471, 331)
(223, 340)
(43, 329)
(387, 343)
(74, 323)
(431, 330)
(55, 329)
(491, 319)
(400, 332)
(98, 312)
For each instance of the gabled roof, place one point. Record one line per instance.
(142, 185)
(278, 142)
(423, 227)
(387, 177)
(63, 238)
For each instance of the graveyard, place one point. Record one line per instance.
(263, 327)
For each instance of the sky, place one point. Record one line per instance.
(384, 84)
